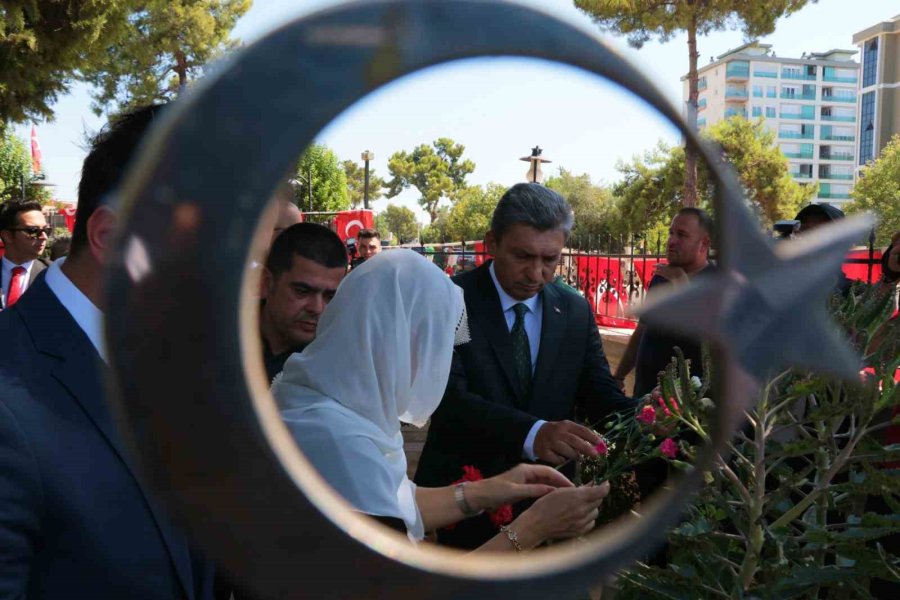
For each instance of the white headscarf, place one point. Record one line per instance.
(381, 356)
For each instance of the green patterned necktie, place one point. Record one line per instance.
(522, 353)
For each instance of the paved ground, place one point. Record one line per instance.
(614, 342)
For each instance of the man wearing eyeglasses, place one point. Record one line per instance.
(24, 232)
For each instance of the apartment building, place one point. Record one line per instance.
(879, 89)
(808, 102)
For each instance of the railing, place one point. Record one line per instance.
(735, 113)
(834, 195)
(838, 176)
(799, 76)
(795, 135)
(835, 156)
(838, 79)
(736, 94)
(841, 118)
(798, 154)
(798, 116)
(765, 74)
(788, 96)
(800, 175)
(839, 138)
(832, 98)
(734, 71)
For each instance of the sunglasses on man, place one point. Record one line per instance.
(33, 232)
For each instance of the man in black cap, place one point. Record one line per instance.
(813, 216)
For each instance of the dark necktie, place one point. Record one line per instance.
(522, 354)
(16, 283)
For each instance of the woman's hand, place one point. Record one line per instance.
(519, 483)
(565, 513)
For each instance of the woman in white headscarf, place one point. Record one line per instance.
(381, 356)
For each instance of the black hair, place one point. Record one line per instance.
(11, 210)
(368, 234)
(309, 240)
(534, 205)
(111, 153)
(703, 218)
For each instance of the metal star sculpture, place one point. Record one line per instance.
(768, 307)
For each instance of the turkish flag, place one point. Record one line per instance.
(69, 214)
(347, 223)
(35, 152)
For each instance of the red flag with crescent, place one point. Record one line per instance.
(35, 151)
(347, 223)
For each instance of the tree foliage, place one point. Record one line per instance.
(651, 190)
(437, 171)
(439, 230)
(15, 165)
(596, 215)
(159, 49)
(43, 45)
(356, 183)
(401, 222)
(470, 216)
(643, 20)
(319, 164)
(878, 191)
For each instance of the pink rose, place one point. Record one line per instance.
(669, 448)
(647, 415)
(602, 448)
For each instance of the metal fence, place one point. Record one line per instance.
(613, 274)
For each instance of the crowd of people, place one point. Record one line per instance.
(504, 362)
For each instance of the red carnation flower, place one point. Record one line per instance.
(502, 515)
(669, 448)
(647, 415)
(602, 447)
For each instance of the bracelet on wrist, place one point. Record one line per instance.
(512, 537)
(459, 495)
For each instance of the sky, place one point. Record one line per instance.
(498, 108)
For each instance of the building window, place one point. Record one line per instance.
(757, 91)
(770, 112)
(870, 62)
(867, 128)
(757, 111)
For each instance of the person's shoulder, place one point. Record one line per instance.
(657, 280)
(467, 279)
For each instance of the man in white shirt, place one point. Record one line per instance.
(75, 518)
(534, 364)
(24, 232)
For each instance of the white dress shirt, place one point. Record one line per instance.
(533, 321)
(85, 313)
(7, 268)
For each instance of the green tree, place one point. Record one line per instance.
(43, 45)
(878, 191)
(160, 48)
(15, 166)
(596, 216)
(641, 20)
(652, 186)
(401, 222)
(438, 232)
(356, 183)
(437, 171)
(470, 216)
(319, 165)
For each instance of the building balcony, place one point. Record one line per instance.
(770, 74)
(834, 195)
(701, 84)
(840, 118)
(735, 113)
(836, 156)
(849, 99)
(786, 96)
(795, 135)
(837, 79)
(798, 116)
(805, 155)
(737, 72)
(838, 176)
(736, 95)
(839, 138)
(797, 76)
(800, 175)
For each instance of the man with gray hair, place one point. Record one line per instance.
(534, 362)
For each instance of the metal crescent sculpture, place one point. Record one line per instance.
(197, 413)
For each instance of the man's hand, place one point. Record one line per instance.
(558, 441)
(675, 275)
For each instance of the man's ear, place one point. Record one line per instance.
(100, 227)
(5, 236)
(490, 242)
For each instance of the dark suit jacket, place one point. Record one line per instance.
(75, 521)
(477, 423)
(36, 269)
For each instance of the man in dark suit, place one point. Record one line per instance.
(534, 362)
(75, 519)
(24, 232)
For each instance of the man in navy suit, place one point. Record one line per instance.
(75, 519)
(535, 361)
